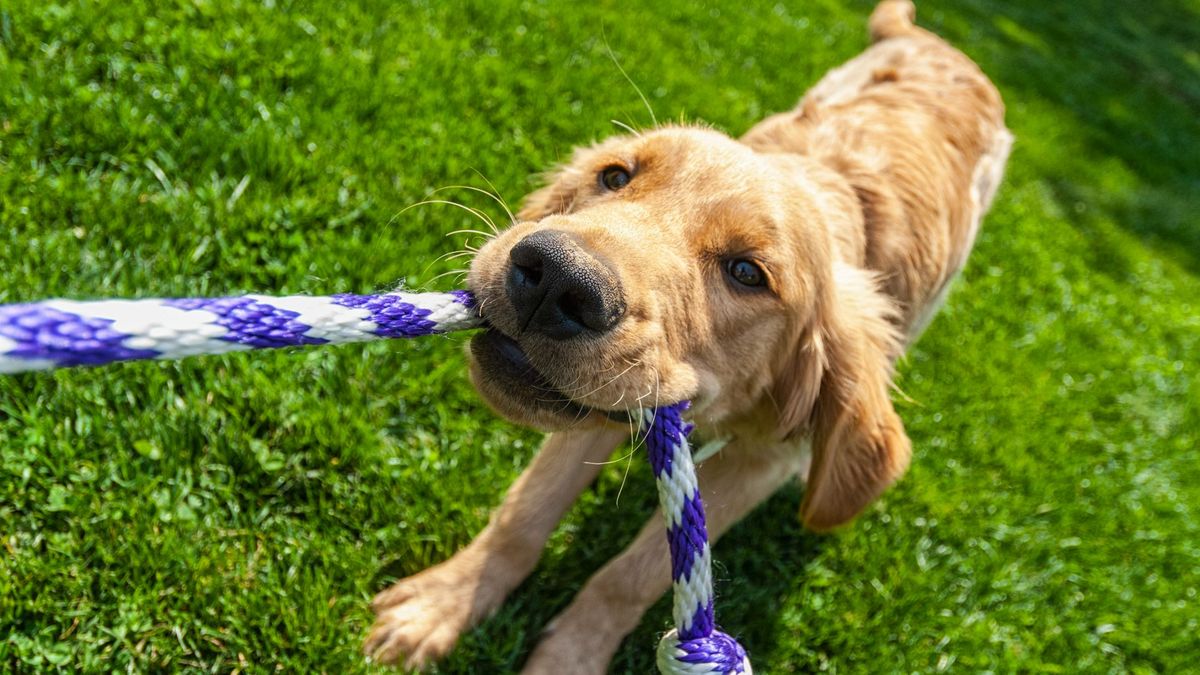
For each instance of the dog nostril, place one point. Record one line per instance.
(528, 275)
(571, 307)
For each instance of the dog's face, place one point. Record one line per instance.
(676, 264)
(680, 264)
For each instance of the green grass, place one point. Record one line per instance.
(238, 512)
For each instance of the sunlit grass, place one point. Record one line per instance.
(239, 511)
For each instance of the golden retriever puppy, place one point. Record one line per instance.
(773, 280)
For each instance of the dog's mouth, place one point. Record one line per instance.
(518, 389)
(505, 357)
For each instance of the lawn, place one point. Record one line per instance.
(238, 512)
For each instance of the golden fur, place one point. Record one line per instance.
(860, 205)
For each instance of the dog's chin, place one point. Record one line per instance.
(515, 389)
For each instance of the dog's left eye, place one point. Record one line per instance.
(746, 272)
(614, 178)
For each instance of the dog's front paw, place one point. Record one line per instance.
(418, 619)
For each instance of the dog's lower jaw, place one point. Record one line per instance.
(520, 394)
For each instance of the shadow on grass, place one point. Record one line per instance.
(755, 564)
(1116, 91)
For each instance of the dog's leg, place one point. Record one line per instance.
(420, 618)
(584, 636)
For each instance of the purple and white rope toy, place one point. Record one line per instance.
(695, 645)
(62, 333)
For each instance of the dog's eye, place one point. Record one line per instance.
(614, 178)
(746, 272)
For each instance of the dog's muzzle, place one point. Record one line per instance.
(560, 290)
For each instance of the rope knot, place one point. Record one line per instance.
(715, 653)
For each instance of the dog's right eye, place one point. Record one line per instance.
(614, 178)
(746, 272)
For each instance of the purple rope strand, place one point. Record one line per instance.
(62, 333)
(695, 646)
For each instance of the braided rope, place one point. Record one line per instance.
(61, 333)
(695, 645)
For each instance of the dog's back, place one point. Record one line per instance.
(916, 131)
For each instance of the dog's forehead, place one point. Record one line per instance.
(689, 152)
(711, 186)
(699, 184)
(666, 153)
(692, 171)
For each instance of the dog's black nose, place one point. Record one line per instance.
(558, 289)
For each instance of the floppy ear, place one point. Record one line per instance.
(838, 392)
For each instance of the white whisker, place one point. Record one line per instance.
(475, 212)
(495, 194)
(626, 127)
(614, 379)
(485, 235)
(628, 79)
(458, 273)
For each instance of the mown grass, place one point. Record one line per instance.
(237, 512)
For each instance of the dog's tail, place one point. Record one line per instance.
(892, 18)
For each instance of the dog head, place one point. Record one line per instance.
(681, 264)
